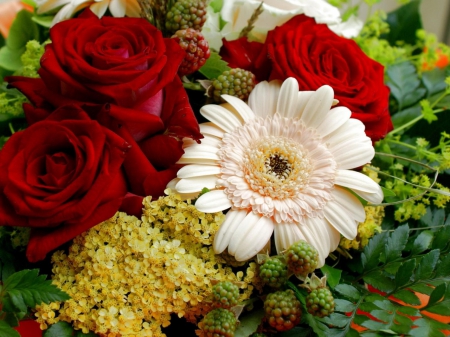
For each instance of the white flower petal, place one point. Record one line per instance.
(336, 118)
(318, 106)
(255, 240)
(373, 198)
(99, 8)
(341, 133)
(285, 234)
(232, 221)
(287, 101)
(355, 155)
(242, 232)
(356, 181)
(302, 99)
(184, 196)
(340, 219)
(193, 170)
(51, 4)
(245, 113)
(196, 184)
(213, 201)
(211, 129)
(222, 117)
(263, 99)
(199, 151)
(349, 203)
(118, 8)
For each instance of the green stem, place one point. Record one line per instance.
(411, 123)
(193, 86)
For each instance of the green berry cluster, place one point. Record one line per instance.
(235, 82)
(186, 14)
(320, 302)
(302, 258)
(218, 323)
(273, 272)
(282, 310)
(226, 294)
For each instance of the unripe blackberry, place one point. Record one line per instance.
(226, 294)
(186, 14)
(196, 48)
(320, 302)
(282, 310)
(273, 272)
(302, 258)
(235, 82)
(218, 323)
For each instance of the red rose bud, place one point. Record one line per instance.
(196, 48)
(61, 176)
(316, 56)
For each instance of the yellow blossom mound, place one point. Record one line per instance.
(127, 276)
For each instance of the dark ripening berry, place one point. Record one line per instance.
(196, 48)
(273, 272)
(226, 294)
(302, 258)
(320, 302)
(282, 310)
(218, 323)
(235, 82)
(186, 14)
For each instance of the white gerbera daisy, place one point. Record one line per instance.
(282, 164)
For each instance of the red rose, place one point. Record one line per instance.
(126, 63)
(316, 56)
(60, 176)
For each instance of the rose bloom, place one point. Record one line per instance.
(60, 176)
(126, 63)
(315, 56)
(236, 13)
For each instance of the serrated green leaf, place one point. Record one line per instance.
(379, 281)
(337, 320)
(440, 308)
(333, 275)
(426, 265)
(437, 294)
(27, 288)
(403, 23)
(441, 238)
(370, 256)
(422, 288)
(427, 111)
(434, 80)
(60, 329)
(422, 242)
(407, 296)
(396, 242)
(249, 323)
(404, 84)
(425, 327)
(348, 291)
(7, 331)
(443, 267)
(343, 305)
(404, 116)
(405, 273)
(11, 319)
(433, 218)
(409, 311)
(214, 66)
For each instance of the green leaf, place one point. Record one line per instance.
(43, 20)
(216, 5)
(333, 275)
(60, 329)
(343, 305)
(426, 265)
(348, 291)
(443, 267)
(7, 331)
(10, 59)
(440, 308)
(404, 22)
(427, 111)
(379, 281)
(27, 288)
(23, 29)
(404, 273)
(337, 320)
(407, 296)
(249, 323)
(214, 66)
(437, 294)
(370, 256)
(404, 84)
(79, 333)
(426, 327)
(441, 237)
(433, 218)
(297, 331)
(434, 80)
(387, 192)
(406, 115)
(396, 242)
(422, 242)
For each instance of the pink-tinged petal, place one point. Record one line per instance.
(349, 203)
(287, 101)
(242, 110)
(255, 240)
(213, 201)
(211, 129)
(318, 107)
(243, 231)
(335, 119)
(220, 116)
(286, 234)
(193, 170)
(223, 236)
(341, 220)
(263, 99)
(356, 181)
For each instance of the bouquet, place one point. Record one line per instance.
(222, 168)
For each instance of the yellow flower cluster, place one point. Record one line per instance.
(127, 276)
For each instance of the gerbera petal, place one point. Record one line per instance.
(373, 198)
(196, 184)
(302, 99)
(349, 203)
(211, 129)
(263, 99)
(190, 171)
(222, 117)
(336, 118)
(318, 106)
(199, 152)
(285, 234)
(287, 101)
(356, 181)
(354, 156)
(184, 196)
(117, 8)
(232, 221)
(213, 201)
(243, 231)
(256, 239)
(341, 220)
(242, 109)
(340, 134)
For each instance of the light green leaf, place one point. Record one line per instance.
(43, 20)
(427, 111)
(27, 289)
(427, 327)
(7, 331)
(333, 275)
(216, 5)
(23, 29)
(407, 296)
(396, 242)
(387, 192)
(214, 66)
(10, 59)
(249, 323)
(422, 242)
(378, 280)
(434, 80)
(343, 305)
(348, 291)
